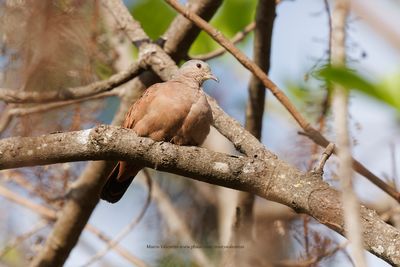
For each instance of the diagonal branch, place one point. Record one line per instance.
(51, 215)
(182, 32)
(220, 51)
(124, 232)
(310, 132)
(12, 244)
(272, 179)
(177, 224)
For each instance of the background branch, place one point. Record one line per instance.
(50, 215)
(264, 19)
(176, 223)
(12, 112)
(125, 231)
(351, 206)
(220, 51)
(22, 96)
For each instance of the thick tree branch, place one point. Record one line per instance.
(272, 179)
(310, 131)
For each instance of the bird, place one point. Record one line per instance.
(175, 111)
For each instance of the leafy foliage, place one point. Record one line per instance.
(232, 17)
(387, 91)
(154, 16)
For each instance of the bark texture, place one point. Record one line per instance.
(270, 178)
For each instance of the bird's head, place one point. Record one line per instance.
(197, 70)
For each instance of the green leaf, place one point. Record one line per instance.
(154, 16)
(348, 79)
(391, 86)
(386, 91)
(231, 18)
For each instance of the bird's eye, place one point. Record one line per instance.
(198, 65)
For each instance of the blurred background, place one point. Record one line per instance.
(48, 45)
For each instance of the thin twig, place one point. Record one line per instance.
(51, 215)
(325, 103)
(395, 176)
(176, 223)
(123, 252)
(37, 208)
(313, 260)
(306, 220)
(21, 238)
(325, 156)
(329, 16)
(128, 228)
(311, 132)
(5, 118)
(369, 15)
(220, 51)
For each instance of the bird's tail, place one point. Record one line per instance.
(118, 181)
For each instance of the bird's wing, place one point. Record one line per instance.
(139, 108)
(161, 111)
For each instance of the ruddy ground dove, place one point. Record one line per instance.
(175, 111)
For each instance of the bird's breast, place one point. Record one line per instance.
(196, 125)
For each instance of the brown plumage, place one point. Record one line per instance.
(175, 111)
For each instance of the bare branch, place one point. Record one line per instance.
(43, 211)
(21, 96)
(375, 22)
(23, 111)
(319, 169)
(312, 261)
(131, 27)
(182, 32)
(124, 253)
(220, 51)
(51, 215)
(124, 232)
(265, 16)
(175, 222)
(311, 132)
(5, 118)
(272, 179)
(21, 238)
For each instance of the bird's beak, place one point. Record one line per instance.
(212, 77)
